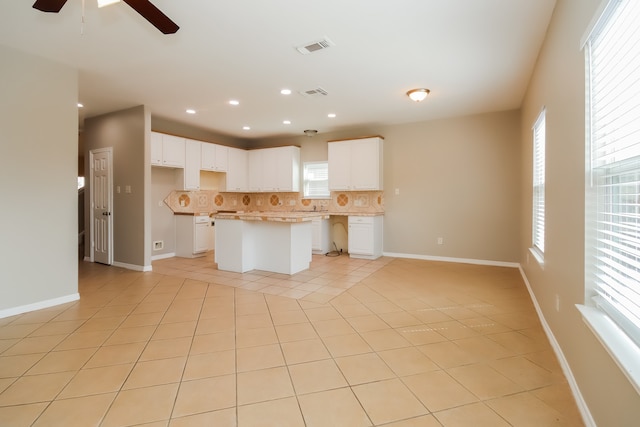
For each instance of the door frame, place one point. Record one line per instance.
(109, 151)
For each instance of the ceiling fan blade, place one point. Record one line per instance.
(153, 15)
(49, 5)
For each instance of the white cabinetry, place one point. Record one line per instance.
(192, 235)
(365, 236)
(237, 175)
(190, 177)
(215, 157)
(356, 165)
(274, 169)
(320, 236)
(167, 150)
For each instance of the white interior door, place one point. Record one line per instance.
(101, 205)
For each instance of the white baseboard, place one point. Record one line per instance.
(39, 305)
(456, 260)
(582, 405)
(163, 256)
(132, 266)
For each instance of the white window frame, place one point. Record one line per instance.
(307, 181)
(612, 192)
(538, 188)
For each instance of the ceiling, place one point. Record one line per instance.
(474, 55)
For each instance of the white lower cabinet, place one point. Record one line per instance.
(365, 236)
(320, 236)
(192, 235)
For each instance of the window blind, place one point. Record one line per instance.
(613, 193)
(316, 180)
(539, 132)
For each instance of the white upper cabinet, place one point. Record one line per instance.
(274, 169)
(192, 165)
(237, 174)
(167, 150)
(215, 157)
(356, 165)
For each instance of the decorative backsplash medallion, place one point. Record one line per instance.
(343, 202)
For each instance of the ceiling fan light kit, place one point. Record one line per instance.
(418, 95)
(144, 7)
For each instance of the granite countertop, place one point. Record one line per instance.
(273, 216)
(282, 216)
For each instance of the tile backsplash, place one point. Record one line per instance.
(212, 201)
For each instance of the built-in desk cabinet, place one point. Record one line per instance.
(365, 236)
(356, 165)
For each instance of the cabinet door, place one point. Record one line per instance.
(237, 178)
(366, 170)
(255, 170)
(270, 166)
(156, 149)
(208, 160)
(201, 238)
(192, 165)
(288, 169)
(222, 158)
(339, 165)
(172, 151)
(360, 238)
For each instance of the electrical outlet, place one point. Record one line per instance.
(397, 191)
(157, 245)
(440, 240)
(557, 302)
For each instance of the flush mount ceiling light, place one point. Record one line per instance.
(234, 102)
(418, 95)
(80, 105)
(190, 111)
(286, 91)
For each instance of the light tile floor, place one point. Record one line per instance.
(390, 342)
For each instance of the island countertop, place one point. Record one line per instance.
(272, 216)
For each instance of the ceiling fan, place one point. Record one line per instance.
(143, 7)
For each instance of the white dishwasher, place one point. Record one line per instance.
(192, 235)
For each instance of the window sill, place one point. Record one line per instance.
(622, 349)
(538, 256)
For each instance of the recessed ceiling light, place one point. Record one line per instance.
(80, 105)
(331, 115)
(286, 91)
(286, 122)
(190, 111)
(246, 127)
(234, 102)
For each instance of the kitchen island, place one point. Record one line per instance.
(279, 242)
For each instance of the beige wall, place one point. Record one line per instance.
(38, 165)
(127, 132)
(558, 84)
(458, 179)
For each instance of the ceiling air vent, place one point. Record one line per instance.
(315, 46)
(317, 92)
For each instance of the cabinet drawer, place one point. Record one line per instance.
(360, 219)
